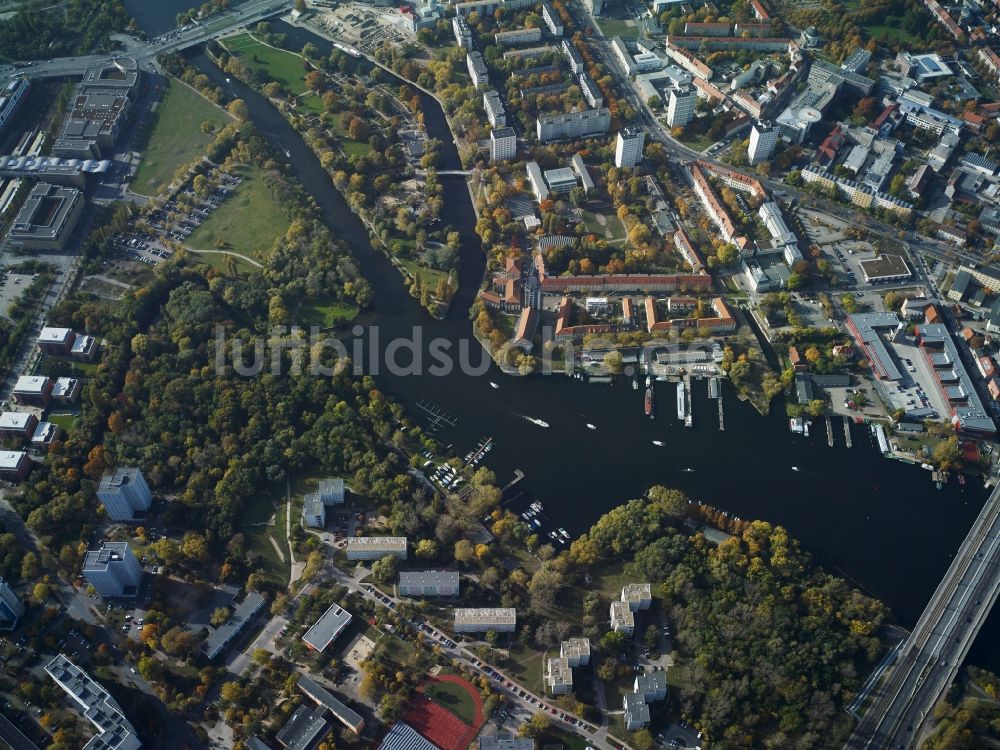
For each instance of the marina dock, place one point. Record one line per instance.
(518, 476)
(829, 431)
(722, 421)
(847, 431)
(713, 388)
(436, 416)
(476, 455)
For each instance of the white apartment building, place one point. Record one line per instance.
(11, 609)
(429, 583)
(482, 619)
(622, 619)
(559, 676)
(124, 492)
(637, 596)
(494, 109)
(763, 139)
(576, 651)
(114, 730)
(477, 69)
(628, 147)
(113, 570)
(583, 124)
(680, 106)
(503, 144)
(376, 547)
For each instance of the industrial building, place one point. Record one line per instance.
(124, 493)
(114, 732)
(480, 620)
(113, 570)
(47, 219)
(326, 629)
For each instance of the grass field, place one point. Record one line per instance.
(248, 221)
(256, 530)
(350, 146)
(611, 224)
(892, 31)
(326, 312)
(429, 275)
(454, 698)
(284, 67)
(65, 421)
(618, 27)
(176, 137)
(527, 665)
(697, 141)
(218, 262)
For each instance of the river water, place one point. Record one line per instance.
(880, 523)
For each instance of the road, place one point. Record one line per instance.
(191, 35)
(935, 650)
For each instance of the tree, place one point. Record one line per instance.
(300, 6)
(219, 617)
(238, 109)
(464, 551)
(357, 130)
(613, 362)
(385, 569)
(615, 642)
(948, 454)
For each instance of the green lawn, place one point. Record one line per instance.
(218, 262)
(892, 31)
(312, 103)
(454, 698)
(256, 530)
(429, 275)
(527, 666)
(284, 67)
(609, 579)
(618, 27)
(568, 740)
(65, 421)
(611, 223)
(248, 221)
(326, 312)
(350, 146)
(176, 137)
(697, 141)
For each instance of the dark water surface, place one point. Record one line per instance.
(880, 523)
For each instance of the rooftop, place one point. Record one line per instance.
(486, 615)
(303, 729)
(325, 698)
(429, 578)
(223, 634)
(325, 630)
(114, 730)
(404, 737)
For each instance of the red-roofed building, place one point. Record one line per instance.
(759, 11)
(994, 389)
(798, 363)
(830, 146)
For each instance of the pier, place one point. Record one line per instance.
(722, 421)
(436, 416)
(518, 476)
(478, 453)
(829, 431)
(847, 431)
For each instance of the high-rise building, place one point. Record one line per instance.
(628, 149)
(763, 139)
(503, 144)
(680, 106)
(123, 493)
(11, 608)
(113, 570)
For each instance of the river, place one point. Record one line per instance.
(880, 523)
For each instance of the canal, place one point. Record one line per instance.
(880, 523)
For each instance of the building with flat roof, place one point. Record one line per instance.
(482, 619)
(494, 109)
(637, 596)
(99, 111)
(636, 712)
(14, 465)
(505, 741)
(763, 139)
(114, 732)
(652, 686)
(622, 619)
(477, 69)
(56, 341)
(401, 736)
(124, 492)
(303, 730)
(33, 389)
(84, 348)
(429, 583)
(560, 180)
(536, 181)
(331, 491)
(45, 433)
(503, 144)
(313, 511)
(376, 547)
(868, 330)
(242, 616)
(65, 390)
(113, 570)
(47, 218)
(559, 676)
(585, 124)
(527, 35)
(628, 147)
(590, 90)
(576, 650)
(11, 609)
(572, 56)
(463, 34)
(326, 629)
(340, 710)
(885, 268)
(681, 102)
(968, 415)
(18, 424)
(12, 95)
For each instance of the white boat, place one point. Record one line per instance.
(635, 384)
(681, 400)
(539, 422)
(796, 468)
(563, 533)
(688, 470)
(288, 154)
(591, 427)
(649, 381)
(658, 443)
(493, 385)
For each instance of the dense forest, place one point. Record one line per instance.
(32, 33)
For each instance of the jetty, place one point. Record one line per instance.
(713, 388)
(722, 421)
(436, 415)
(476, 455)
(847, 432)
(518, 476)
(829, 431)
